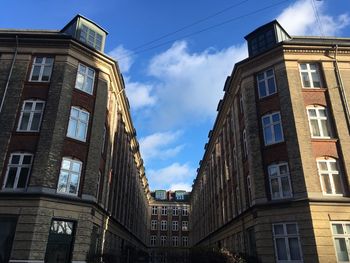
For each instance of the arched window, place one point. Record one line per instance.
(78, 124)
(68, 182)
(318, 121)
(272, 128)
(18, 170)
(31, 115)
(330, 177)
(279, 180)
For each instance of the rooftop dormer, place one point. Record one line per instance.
(265, 37)
(86, 31)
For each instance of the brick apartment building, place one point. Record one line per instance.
(169, 226)
(274, 180)
(72, 179)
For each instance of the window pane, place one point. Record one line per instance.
(268, 135)
(84, 116)
(273, 171)
(46, 73)
(276, 117)
(303, 66)
(285, 186)
(11, 177)
(316, 80)
(326, 183)
(27, 159)
(278, 133)
(337, 229)
(281, 249)
(322, 165)
(291, 229)
(88, 86)
(315, 130)
(72, 127)
(294, 248)
(82, 131)
(62, 182)
(80, 81)
(324, 127)
(39, 106)
(35, 122)
(272, 88)
(36, 72)
(15, 159)
(306, 80)
(73, 186)
(333, 166)
(337, 183)
(275, 188)
(278, 229)
(38, 60)
(342, 252)
(24, 121)
(65, 164)
(28, 106)
(283, 169)
(23, 178)
(266, 120)
(262, 89)
(312, 112)
(76, 167)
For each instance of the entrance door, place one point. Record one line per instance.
(7, 233)
(60, 244)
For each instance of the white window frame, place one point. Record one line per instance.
(85, 38)
(42, 66)
(309, 72)
(153, 241)
(70, 172)
(79, 123)
(271, 126)
(175, 211)
(19, 168)
(319, 120)
(175, 241)
(185, 241)
(154, 210)
(330, 173)
(83, 72)
(180, 195)
(175, 226)
(164, 211)
(154, 224)
(345, 235)
(279, 176)
(185, 211)
(31, 112)
(265, 79)
(184, 226)
(163, 225)
(286, 237)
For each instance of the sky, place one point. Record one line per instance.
(175, 57)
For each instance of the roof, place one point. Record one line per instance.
(264, 27)
(85, 18)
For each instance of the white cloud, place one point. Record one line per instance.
(139, 94)
(124, 57)
(299, 19)
(159, 145)
(174, 177)
(190, 84)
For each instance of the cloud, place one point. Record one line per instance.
(175, 177)
(139, 94)
(299, 19)
(159, 145)
(190, 84)
(124, 57)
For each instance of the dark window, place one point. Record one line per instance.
(7, 233)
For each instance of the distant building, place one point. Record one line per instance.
(169, 226)
(73, 186)
(273, 184)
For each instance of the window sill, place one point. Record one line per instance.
(26, 133)
(324, 139)
(261, 99)
(314, 89)
(75, 140)
(271, 145)
(37, 83)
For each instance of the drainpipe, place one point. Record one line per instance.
(9, 76)
(341, 88)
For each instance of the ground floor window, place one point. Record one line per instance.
(60, 242)
(7, 233)
(341, 236)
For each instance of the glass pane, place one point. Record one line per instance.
(275, 117)
(342, 252)
(35, 122)
(27, 159)
(65, 164)
(74, 113)
(291, 229)
(82, 68)
(24, 121)
(39, 106)
(268, 135)
(38, 60)
(315, 130)
(275, 188)
(337, 229)
(347, 227)
(28, 106)
(11, 177)
(262, 89)
(49, 61)
(303, 66)
(22, 180)
(88, 86)
(73, 184)
(76, 167)
(283, 169)
(311, 112)
(82, 131)
(273, 170)
(72, 128)
(281, 249)
(333, 166)
(313, 66)
(337, 183)
(36, 72)
(326, 183)
(46, 73)
(322, 165)
(278, 229)
(278, 133)
(260, 76)
(83, 116)
(285, 186)
(80, 81)
(269, 72)
(272, 87)
(325, 128)
(91, 72)
(15, 159)
(266, 120)
(62, 182)
(322, 113)
(305, 78)
(294, 249)
(61, 227)
(316, 80)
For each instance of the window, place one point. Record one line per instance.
(163, 240)
(41, 69)
(164, 211)
(154, 210)
(330, 177)
(163, 225)
(279, 179)
(341, 236)
(319, 125)
(287, 243)
(154, 225)
(180, 195)
(90, 37)
(184, 225)
(185, 211)
(153, 240)
(184, 241)
(249, 188)
(310, 75)
(85, 79)
(160, 194)
(272, 128)
(68, 182)
(266, 83)
(7, 234)
(175, 211)
(175, 241)
(175, 226)
(78, 124)
(245, 146)
(31, 114)
(18, 170)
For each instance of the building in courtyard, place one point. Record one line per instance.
(169, 226)
(73, 187)
(273, 183)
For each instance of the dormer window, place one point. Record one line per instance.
(90, 37)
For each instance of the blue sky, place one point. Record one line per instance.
(175, 83)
